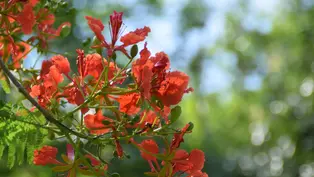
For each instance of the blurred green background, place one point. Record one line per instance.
(251, 65)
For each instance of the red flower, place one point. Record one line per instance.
(148, 117)
(35, 91)
(142, 70)
(44, 17)
(95, 162)
(135, 36)
(22, 50)
(45, 67)
(96, 26)
(93, 65)
(95, 123)
(46, 155)
(129, 103)
(27, 18)
(115, 22)
(74, 96)
(152, 147)
(191, 164)
(61, 63)
(178, 138)
(33, 2)
(173, 88)
(53, 78)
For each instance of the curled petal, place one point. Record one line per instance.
(135, 36)
(96, 26)
(95, 123)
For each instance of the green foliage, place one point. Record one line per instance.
(5, 86)
(20, 135)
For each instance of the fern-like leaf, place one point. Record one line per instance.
(11, 156)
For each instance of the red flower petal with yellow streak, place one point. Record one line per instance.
(129, 103)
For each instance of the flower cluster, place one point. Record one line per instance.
(18, 17)
(115, 104)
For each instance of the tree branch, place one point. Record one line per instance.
(49, 117)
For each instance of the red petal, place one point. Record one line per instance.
(135, 36)
(45, 17)
(93, 65)
(96, 26)
(147, 76)
(128, 103)
(35, 91)
(45, 67)
(61, 63)
(197, 158)
(95, 122)
(55, 75)
(93, 160)
(22, 51)
(46, 155)
(173, 88)
(27, 18)
(150, 146)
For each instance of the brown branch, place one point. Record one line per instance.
(49, 117)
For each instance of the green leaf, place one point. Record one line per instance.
(115, 175)
(175, 114)
(95, 41)
(20, 152)
(135, 119)
(2, 147)
(4, 114)
(5, 86)
(134, 50)
(2, 104)
(114, 56)
(11, 157)
(106, 122)
(30, 153)
(190, 127)
(65, 31)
